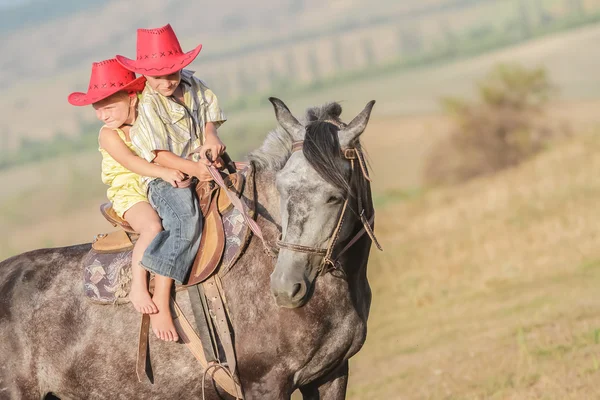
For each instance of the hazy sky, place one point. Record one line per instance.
(10, 3)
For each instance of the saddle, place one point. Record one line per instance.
(213, 204)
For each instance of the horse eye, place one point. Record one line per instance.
(332, 200)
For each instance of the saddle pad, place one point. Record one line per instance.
(236, 236)
(107, 276)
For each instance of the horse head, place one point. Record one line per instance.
(323, 189)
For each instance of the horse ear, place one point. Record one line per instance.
(354, 129)
(287, 120)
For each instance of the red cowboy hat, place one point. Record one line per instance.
(108, 77)
(158, 53)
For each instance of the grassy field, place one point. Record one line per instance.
(494, 288)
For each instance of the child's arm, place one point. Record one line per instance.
(192, 168)
(214, 117)
(212, 142)
(112, 143)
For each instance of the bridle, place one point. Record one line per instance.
(355, 156)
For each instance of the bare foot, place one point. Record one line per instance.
(141, 300)
(162, 324)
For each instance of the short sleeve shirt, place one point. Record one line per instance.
(164, 124)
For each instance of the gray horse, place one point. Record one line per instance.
(292, 330)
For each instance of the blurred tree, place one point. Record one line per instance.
(368, 51)
(449, 38)
(337, 49)
(576, 7)
(410, 42)
(273, 76)
(480, 32)
(505, 127)
(524, 19)
(313, 65)
(543, 16)
(291, 65)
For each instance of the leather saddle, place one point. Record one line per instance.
(213, 205)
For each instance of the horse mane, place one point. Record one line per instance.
(277, 147)
(274, 152)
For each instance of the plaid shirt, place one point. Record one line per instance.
(163, 124)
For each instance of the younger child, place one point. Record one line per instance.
(113, 94)
(177, 114)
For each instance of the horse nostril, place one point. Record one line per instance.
(295, 290)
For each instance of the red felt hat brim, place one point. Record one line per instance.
(85, 99)
(159, 66)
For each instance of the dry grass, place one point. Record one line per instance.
(52, 203)
(494, 287)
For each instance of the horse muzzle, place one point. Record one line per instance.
(290, 290)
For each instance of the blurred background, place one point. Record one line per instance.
(484, 150)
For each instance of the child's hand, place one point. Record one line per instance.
(172, 176)
(212, 148)
(202, 171)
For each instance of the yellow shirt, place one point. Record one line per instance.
(164, 124)
(125, 187)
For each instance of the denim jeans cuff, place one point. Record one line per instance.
(160, 267)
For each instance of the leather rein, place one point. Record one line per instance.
(355, 156)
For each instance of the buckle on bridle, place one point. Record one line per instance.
(350, 154)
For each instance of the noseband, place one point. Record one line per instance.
(354, 155)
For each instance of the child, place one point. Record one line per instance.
(177, 114)
(113, 94)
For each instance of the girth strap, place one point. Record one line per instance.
(142, 367)
(203, 322)
(216, 297)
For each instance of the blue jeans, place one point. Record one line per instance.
(173, 250)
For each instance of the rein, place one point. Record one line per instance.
(354, 155)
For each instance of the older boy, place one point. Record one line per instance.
(177, 114)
